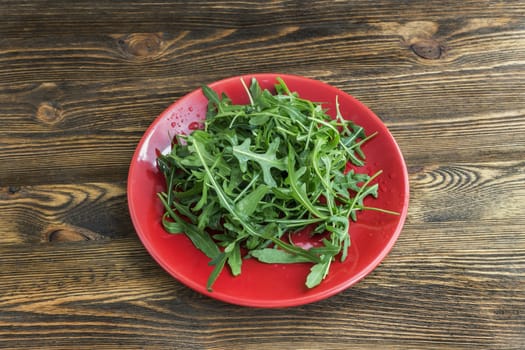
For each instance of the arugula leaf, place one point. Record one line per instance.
(249, 203)
(266, 161)
(277, 256)
(298, 189)
(235, 259)
(262, 170)
(199, 238)
(318, 272)
(219, 263)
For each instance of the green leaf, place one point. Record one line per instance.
(235, 260)
(262, 171)
(255, 91)
(328, 248)
(171, 226)
(211, 95)
(277, 256)
(298, 191)
(200, 239)
(295, 250)
(317, 273)
(346, 245)
(266, 161)
(260, 119)
(204, 196)
(219, 261)
(207, 215)
(225, 201)
(249, 203)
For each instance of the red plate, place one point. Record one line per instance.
(268, 285)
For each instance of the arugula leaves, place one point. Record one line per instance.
(258, 173)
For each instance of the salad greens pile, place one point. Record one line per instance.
(258, 173)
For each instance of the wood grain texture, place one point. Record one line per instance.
(100, 89)
(48, 17)
(39, 214)
(81, 81)
(459, 298)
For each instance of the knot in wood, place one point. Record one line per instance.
(429, 49)
(70, 233)
(141, 45)
(49, 113)
(13, 189)
(62, 235)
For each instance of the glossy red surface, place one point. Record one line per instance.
(268, 285)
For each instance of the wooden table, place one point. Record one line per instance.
(81, 81)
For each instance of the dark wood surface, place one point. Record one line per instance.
(81, 81)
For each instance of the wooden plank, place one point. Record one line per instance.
(44, 18)
(396, 51)
(456, 298)
(42, 158)
(457, 196)
(468, 192)
(100, 91)
(66, 212)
